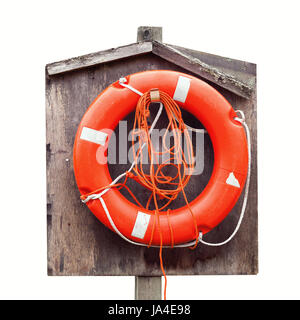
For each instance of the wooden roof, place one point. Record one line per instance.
(225, 72)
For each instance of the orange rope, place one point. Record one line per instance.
(156, 177)
(119, 186)
(171, 229)
(162, 186)
(184, 165)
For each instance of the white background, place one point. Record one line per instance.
(34, 33)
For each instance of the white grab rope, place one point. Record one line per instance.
(99, 195)
(243, 122)
(122, 82)
(189, 244)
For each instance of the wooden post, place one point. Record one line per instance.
(149, 34)
(147, 288)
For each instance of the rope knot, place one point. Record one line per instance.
(122, 80)
(129, 174)
(242, 119)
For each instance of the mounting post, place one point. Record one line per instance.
(147, 288)
(149, 34)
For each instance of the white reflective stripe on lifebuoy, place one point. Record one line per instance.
(141, 225)
(232, 180)
(93, 135)
(182, 89)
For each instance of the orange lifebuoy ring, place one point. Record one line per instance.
(230, 156)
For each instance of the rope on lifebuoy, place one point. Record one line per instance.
(242, 120)
(141, 175)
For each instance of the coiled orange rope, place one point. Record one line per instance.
(155, 180)
(162, 186)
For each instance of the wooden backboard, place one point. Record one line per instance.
(78, 244)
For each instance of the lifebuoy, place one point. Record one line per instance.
(230, 157)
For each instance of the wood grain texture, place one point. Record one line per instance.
(99, 57)
(147, 288)
(190, 62)
(149, 34)
(234, 75)
(78, 244)
(240, 70)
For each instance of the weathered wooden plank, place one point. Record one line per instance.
(99, 57)
(78, 244)
(241, 70)
(149, 34)
(147, 288)
(238, 66)
(193, 64)
(239, 82)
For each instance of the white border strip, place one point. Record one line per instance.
(94, 136)
(182, 89)
(141, 225)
